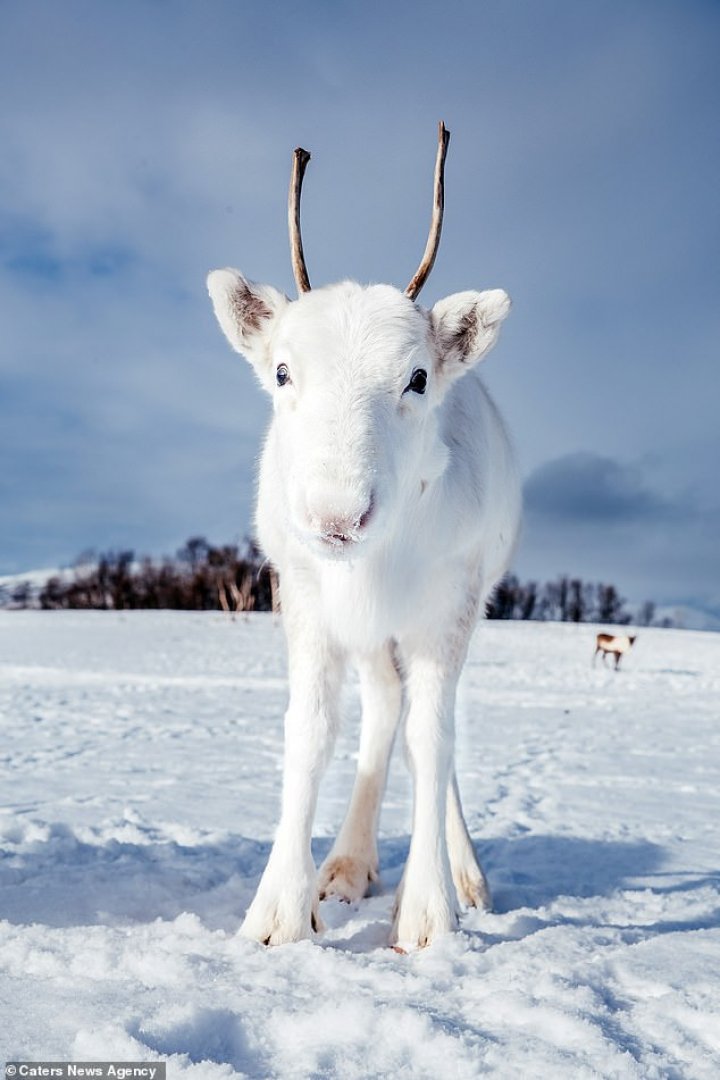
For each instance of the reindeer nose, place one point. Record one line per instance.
(339, 527)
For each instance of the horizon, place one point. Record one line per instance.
(633, 608)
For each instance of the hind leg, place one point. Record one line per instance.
(470, 882)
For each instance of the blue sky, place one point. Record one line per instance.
(147, 142)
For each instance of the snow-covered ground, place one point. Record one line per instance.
(140, 762)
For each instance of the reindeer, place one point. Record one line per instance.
(616, 645)
(389, 502)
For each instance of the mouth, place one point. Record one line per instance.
(336, 551)
(338, 545)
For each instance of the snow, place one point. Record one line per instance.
(140, 762)
(36, 578)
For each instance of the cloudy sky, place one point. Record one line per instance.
(146, 142)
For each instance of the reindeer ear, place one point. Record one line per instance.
(247, 314)
(466, 326)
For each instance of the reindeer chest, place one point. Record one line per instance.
(367, 602)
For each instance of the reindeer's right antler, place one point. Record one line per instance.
(300, 160)
(433, 243)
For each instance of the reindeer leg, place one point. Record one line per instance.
(470, 882)
(427, 905)
(285, 905)
(353, 861)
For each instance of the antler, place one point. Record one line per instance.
(300, 160)
(433, 241)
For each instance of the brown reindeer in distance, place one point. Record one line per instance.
(615, 644)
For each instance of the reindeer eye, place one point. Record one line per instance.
(282, 375)
(418, 382)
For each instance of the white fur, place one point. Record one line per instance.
(390, 516)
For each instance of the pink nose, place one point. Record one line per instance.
(341, 528)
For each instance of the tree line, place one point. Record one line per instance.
(201, 577)
(235, 578)
(567, 600)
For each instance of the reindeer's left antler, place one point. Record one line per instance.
(300, 160)
(433, 243)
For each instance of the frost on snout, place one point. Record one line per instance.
(339, 530)
(336, 527)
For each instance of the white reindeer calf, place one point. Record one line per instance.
(389, 503)
(615, 644)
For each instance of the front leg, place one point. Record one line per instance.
(285, 905)
(353, 861)
(427, 905)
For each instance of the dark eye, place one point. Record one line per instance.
(418, 382)
(282, 375)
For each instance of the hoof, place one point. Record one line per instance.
(346, 877)
(420, 920)
(472, 887)
(280, 916)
